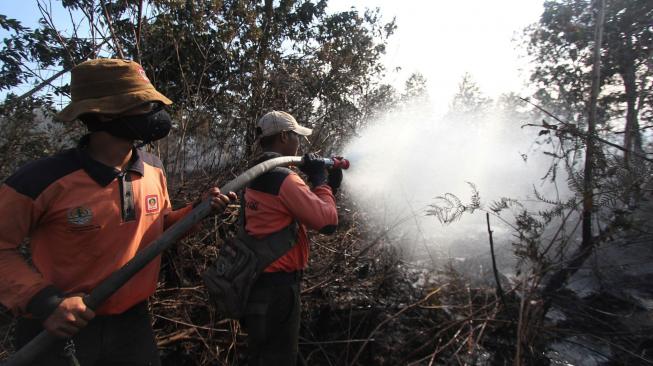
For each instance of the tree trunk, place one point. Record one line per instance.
(588, 186)
(632, 136)
(258, 80)
(559, 278)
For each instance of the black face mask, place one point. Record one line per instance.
(146, 127)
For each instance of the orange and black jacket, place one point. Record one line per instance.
(84, 220)
(279, 197)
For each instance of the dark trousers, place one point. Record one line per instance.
(272, 320)
(126, 339)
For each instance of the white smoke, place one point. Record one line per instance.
(402, 161)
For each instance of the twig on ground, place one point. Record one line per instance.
(494, 261)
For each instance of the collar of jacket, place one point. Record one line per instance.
(104, 174)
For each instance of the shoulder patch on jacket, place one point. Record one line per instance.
(271, 181)
(35, 177)
(151, 159)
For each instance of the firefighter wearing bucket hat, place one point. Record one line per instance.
(86, 212)
(276, 201)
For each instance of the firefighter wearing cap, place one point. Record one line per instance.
(274, 201)
(86, 212)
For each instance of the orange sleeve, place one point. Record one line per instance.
(19, 282)
(316, 209)
(172, 216)
(176, 215)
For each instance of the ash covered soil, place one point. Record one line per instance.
(605, 314)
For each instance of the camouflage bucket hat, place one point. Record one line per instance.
(108, 86)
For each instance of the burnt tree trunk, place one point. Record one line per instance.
(558, 279)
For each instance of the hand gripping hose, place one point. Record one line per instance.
(26, 355)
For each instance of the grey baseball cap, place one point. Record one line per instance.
(275, 122)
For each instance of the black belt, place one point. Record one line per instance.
(28, 328)
(279, 278)
(138, 309)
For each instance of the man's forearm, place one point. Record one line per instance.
(20, 283)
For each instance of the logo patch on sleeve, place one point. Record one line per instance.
(152, 203)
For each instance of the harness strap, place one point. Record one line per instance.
(271, 247)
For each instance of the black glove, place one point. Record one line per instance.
(335, 178)
(315, 169)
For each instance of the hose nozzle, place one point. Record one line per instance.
(336, 162)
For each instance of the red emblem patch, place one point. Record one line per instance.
(151, 203)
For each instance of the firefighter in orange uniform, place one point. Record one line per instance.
(87, 211)
(273, 202)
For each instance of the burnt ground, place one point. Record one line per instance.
(363, 304)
